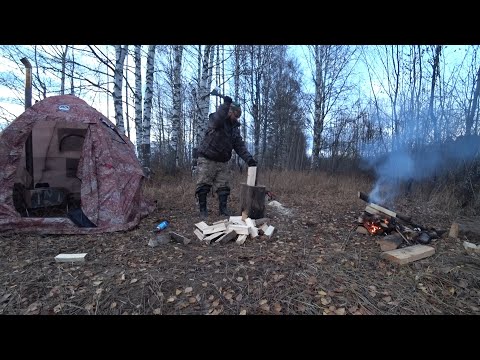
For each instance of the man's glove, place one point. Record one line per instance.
(227, 99)
(251, 162)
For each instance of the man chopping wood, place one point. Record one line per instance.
(223, 135)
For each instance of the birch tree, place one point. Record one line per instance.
(147, 107)
(203, 93)
(120, 53)
(177, 133)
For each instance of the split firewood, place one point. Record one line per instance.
(179, 238)
(241, 239)
(362, 230)
(70, 257)
(199, 234)
(260, 222)
(269, 231)
(389, 242)
(465, 227)
(214, 229)
(403, 237)
(252, 176)
(213, 236)
(229, 236)
(239, 229)
(201, 225)
(408, 254)
(393, 214)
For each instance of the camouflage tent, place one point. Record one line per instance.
(65, 169)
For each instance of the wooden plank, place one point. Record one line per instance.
(241, 239)
(264, 227)
(229, 236)
(383, 210)
(219, 222)
(252, 176)
(249, 222)
(362, 230)
(179, 238)
(260, 222)
(199, 234)
(253, 232)
(408, 254)
(201, 225)
(70, 257)
(372, 211)
(214, 229)
(211, 237)
(390, 242)
(365, 198)
(239, 229)
(269, 231)
(236, 220)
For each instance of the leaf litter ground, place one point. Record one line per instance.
(313, 264)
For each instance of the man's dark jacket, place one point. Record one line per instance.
(221, 137)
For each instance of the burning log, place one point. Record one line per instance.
(388, 212)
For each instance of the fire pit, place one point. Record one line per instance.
(377, 220)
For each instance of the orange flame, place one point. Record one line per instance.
(372, 228)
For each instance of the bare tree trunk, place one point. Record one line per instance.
(126, 97)
(64, 70)
(473, 107)
(435, 74)
(203, 93)
(177, 133)
(72, 71)
(138, 102)
(318, 118)
(120, 53)
(147, 106)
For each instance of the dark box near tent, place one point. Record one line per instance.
(62, 160)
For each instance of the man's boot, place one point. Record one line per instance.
(202, 202)
(222, 204)
(202, 193)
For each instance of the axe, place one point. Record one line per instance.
(216, 92)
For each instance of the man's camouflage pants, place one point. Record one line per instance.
(213, 173)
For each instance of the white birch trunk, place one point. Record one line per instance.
(138, 102)
(177, 106)
(120, 53)
(204, 93)
(147, 106)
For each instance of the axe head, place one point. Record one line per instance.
(216, 92)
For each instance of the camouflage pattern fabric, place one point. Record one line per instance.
(213, 173)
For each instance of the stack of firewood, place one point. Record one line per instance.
(235, 228)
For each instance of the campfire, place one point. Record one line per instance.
(377, 220)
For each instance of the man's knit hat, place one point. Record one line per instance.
(235, 107)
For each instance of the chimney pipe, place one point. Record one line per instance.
(28, 82)
(28, 103)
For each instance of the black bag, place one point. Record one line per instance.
(79, 218)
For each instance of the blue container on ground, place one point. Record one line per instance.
(163, 225)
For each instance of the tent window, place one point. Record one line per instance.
(71, 139)
(71, 167)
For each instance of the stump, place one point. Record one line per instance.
(252, 200)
